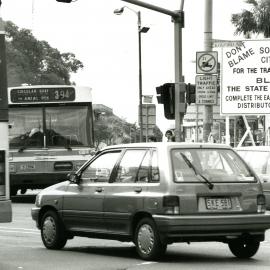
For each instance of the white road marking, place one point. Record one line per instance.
(19, 230)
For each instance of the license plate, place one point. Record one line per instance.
(24, 167)
(218, 203)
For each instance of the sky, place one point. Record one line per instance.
(107, 44)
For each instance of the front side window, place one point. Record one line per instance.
(101, 168)
(154, 167)
(217, 165)
(26, 127)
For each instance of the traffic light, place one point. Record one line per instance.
(166, 96)
(160, 94)
(190, 93)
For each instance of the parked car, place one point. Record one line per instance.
(258, 157)
(155, 194)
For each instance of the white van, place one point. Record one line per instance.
(258, 157)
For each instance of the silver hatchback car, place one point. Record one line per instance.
(155, 194)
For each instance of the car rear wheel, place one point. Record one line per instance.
(244, 248)
(52, 231)
(147, 240)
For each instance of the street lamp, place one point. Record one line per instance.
(140, 30)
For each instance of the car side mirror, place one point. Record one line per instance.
(265, 178)
(74, 178)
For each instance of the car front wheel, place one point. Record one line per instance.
(147, 240)
(52, 231)
(244, 248)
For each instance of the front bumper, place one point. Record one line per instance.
(5, 211)
(210, 227)
(35, 215)
(36, 180)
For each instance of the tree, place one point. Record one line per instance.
(35, 62)
(110, 129)
(257, 20)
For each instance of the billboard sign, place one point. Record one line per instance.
(246, 78)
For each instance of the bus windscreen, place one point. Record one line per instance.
(58, 126)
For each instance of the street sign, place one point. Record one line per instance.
(245, 79)
(220, 43)
(206, 62)
(206, 89)
(147, 98)
(149, 114)
(149, 119)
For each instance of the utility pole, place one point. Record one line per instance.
(4, 147)
(208, 109)
(178, 20)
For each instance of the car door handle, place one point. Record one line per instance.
(138, 189)
(99, 189)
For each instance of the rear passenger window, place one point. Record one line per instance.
(143, 175)
(155, 170)
(128, 170)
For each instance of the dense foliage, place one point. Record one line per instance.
(253, 21)
(33, 62)
(110, 129)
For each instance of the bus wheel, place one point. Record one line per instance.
(23, 191)
(244, 248)
(52, 231)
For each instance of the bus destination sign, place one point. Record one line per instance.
(28, 95)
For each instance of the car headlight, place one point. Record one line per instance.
(38, 200)
(12, 167)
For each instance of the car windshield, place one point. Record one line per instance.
(216, 165)
(50, 126)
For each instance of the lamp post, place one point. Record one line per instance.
(140, 31)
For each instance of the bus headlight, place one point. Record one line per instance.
(84, 152)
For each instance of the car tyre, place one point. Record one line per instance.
(244, 248)
(52, 231)
(147, 240)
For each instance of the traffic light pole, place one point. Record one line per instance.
(208, 109)
(179, 80)
(178, 20)
(4, 147)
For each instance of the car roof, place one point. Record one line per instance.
(168, 145)
(254, 148)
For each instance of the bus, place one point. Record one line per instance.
(50, 134)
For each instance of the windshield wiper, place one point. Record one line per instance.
(196, 171)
